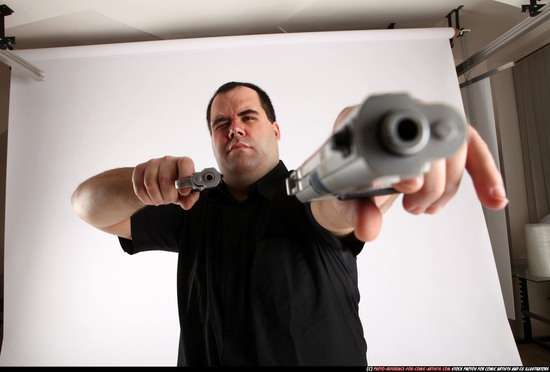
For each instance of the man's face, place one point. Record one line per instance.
(244, 141)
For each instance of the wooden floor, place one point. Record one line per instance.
(533, 355)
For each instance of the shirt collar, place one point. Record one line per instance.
(266, 186)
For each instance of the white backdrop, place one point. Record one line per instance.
(430, 291)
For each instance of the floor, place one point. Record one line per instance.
(533, 355)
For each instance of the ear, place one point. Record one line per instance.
(277, 130)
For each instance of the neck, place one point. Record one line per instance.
(239, 186)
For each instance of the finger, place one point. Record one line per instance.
(139, 184)
(432, 189)
(368, 220)
(185, 168)
(486, 177)
(151, 182)
(187, 198)
(454, 170)
(409, 186)
(167, 174)
(361, 214)
(186, 202)
(342, 115)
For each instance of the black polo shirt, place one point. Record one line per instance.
(259, 282)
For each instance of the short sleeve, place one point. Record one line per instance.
(155, 228)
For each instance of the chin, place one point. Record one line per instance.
(242, 166)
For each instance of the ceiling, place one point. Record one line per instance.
(58, 23)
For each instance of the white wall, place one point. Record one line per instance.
(5, 77)
(430, 291)
(479, 108)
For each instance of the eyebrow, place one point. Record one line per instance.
(222, 118)
(247, 112)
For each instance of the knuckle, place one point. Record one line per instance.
(452, 189)
(165, 179)
(150, 183)
(185, 162)
(151, 163)
(142, 195)
(433, 192)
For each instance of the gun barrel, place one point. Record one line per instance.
(205, 179)
(405, 131)
(388, 138)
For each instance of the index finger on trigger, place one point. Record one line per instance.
(410, 185)
(186, 167)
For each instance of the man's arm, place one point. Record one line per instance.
(108, 200)
(428, 193)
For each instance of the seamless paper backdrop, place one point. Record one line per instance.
(430, 292)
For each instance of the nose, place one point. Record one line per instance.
(235, 130)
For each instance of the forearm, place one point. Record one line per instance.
(107, 200)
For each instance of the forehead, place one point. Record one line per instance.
(236, 99)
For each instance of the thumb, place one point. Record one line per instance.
(187, 198)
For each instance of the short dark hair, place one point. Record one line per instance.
(265, 101)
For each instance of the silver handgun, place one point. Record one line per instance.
(388, 138)
(207, 178)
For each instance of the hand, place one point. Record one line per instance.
(427, 193)
(153, 181)
(430, 192)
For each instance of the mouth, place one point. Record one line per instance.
(238, 146)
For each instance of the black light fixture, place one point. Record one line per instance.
(5, 42)
(533, 8)
(10, 58)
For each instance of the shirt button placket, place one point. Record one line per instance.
(232, 221)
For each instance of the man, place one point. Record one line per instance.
(262, 278)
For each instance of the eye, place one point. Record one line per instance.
(220, 125)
